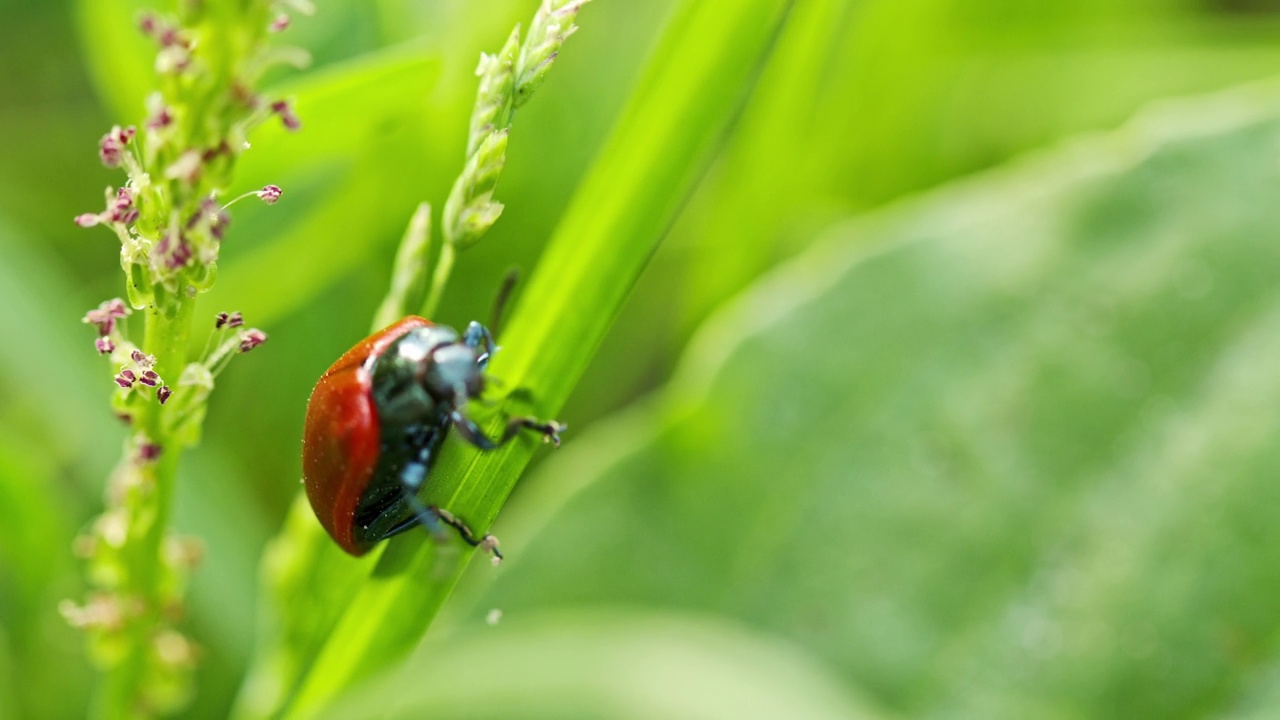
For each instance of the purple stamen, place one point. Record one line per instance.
(287, 116)
(270, 194)
(252, 339)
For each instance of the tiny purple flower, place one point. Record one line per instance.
(169, 37)
(116, 307)
(207, 207)
(270, 194)
(104, 345)
(126, 378)
(121, 210)
(144, 361)
(251, 339)
(149, 452)
(106, 327)
(218, 224)
(221, 148)
(175, 255)
(181, 256)
(186, 168)
(163, 394)
(160, 119)
(279, 24)
(149, 378)
(287, 116)
(111, 146)
(229, 320)
(110, 151)
(104, 316)
(173, 56)
(88, 219)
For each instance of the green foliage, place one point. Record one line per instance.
(1016, 463)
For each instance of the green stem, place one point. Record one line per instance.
(440, 278)
(150, 490)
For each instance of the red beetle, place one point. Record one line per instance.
(375, 423)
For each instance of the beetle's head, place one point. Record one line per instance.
(453, 375)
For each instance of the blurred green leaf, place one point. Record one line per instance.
(1007, 451)
(344, 181)
(46, 444)
(120, 59)
(42, 315)
(35, 565)
(614, 664)
(865, 101)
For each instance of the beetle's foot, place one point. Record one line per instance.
(550, 431)
(490, 543)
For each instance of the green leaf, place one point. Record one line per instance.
(614, 664)
(1007, 451)
(694, 83)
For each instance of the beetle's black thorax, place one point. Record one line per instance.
(413, 424)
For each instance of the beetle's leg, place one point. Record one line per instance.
(412, 476)
(425, 519)
(487, 542)
(470, 432)
(434, 519)
(431, 517)
(477, 336)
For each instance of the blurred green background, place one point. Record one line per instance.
(901, 421)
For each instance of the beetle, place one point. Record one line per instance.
(375, 423)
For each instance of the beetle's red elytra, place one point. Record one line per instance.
(375, 423)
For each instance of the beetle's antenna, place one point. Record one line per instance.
(500, 300)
